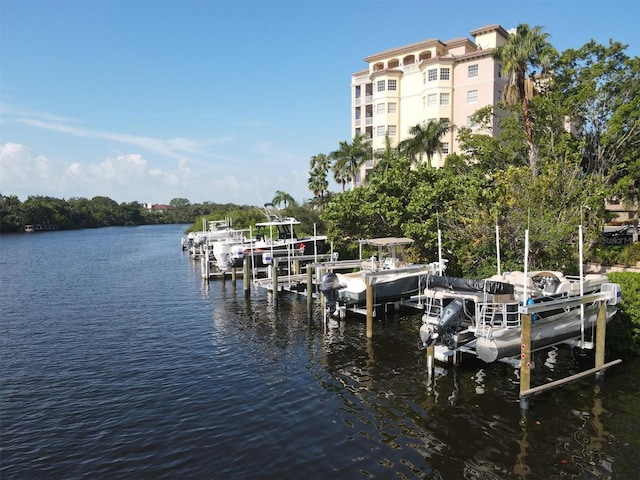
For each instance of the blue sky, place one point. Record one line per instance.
(221, 101)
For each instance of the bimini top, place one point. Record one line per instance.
(274, 221)
(387, 241)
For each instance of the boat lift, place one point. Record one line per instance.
(527, 313)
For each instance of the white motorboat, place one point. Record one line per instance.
(389, 274)
(275, 237)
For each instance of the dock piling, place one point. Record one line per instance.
(246, 281)
(369, 299)
(525, 360)
(309, 287)
(601, 330)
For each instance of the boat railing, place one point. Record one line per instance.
(492, 315)
(433, 307)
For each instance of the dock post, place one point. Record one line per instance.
(369, 293)
(525, 360)
(309, 287)
(319, 274)
(274, 278)
(233, 274)
(601, 331)
(205, 266)
(431, 350)
(245, 276)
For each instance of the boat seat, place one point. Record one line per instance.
(564, 288)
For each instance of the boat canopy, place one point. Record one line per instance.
(470, 285)
(387, 241)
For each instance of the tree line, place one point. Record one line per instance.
(100, 211)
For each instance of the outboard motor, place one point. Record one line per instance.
(329, 286)
(451, 317)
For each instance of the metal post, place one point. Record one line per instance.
(525, 359)
(319, 274)
(274, 275)
(309, 287)
(601, 330)
(245, 275)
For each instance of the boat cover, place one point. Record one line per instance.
(469, 284)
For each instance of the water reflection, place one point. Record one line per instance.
(464, 422)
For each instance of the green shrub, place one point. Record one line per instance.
(623, 332)
(630, 254)
(615, 254)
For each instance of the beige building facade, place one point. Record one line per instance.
(432, 79)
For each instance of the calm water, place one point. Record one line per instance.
(118, 361)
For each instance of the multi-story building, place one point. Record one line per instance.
(411, 85)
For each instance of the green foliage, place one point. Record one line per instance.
(623, 332)
(628, 255)
(348, 159)
(425, 139)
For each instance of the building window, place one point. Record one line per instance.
(432, 99)
(380, 110)
(470, 122)
(380, 131)
(445, 148)
(473, 70)
(380, 85)
(392, 130)
(392, 84)
(433, 75)
(444, 73)
(472, 96)
(392, 107)
(444, 99)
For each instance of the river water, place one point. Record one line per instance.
(118, 361)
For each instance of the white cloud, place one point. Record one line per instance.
(173, 148)
(19, 167)
(128, 177)
(247, 172)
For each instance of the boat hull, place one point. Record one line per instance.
(546, 332)
(262, 254)
(394, 288)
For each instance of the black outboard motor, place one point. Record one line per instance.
(450, 320)
(329, 286)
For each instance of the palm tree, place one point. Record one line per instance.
(425, 139)
(282, 197)
(318, 184)
(349, 158)
(341, 171)
(527, 48)
(387, 157)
